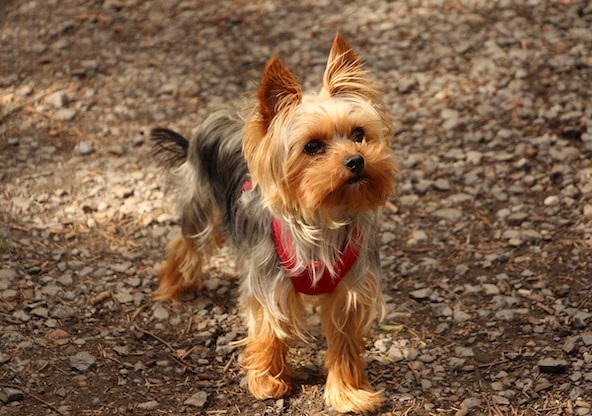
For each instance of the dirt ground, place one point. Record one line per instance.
(486, 250)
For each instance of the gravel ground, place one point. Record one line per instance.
(486, 251)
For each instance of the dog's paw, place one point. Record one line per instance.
(265, 386)
(346, 399)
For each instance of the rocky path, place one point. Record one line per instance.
(487, 251)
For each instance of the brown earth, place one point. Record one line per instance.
(486, 253)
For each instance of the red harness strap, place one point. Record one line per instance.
(303, 282)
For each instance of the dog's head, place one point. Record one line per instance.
(326, 155)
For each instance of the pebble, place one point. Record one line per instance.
(149, 405)
(85, 148)
(7, 274)
(587, 338)
(448, 214)
(442, 184)
(552, 365)
(66, 114)
(464, 352)
(419, 235)
(82, 361)
(198, 400)
(161, 313)
(461, 316)
(22, 316)
(569, 344)
(491, 289)
(9, 395)
(58, 99)
(421, 294)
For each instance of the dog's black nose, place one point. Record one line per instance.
(355, 164)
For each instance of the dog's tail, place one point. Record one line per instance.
(169, 146)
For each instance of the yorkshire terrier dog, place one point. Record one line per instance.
(296, 188)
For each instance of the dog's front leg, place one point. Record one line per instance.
(265, 357)
(346, 316)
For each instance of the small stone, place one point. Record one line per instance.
(50, 289)
(58, 99)
(419, 235)
(82, 361)
(85, 148)
(138, 140)
(280, 404)
(421, 294)
(123, 297)
(460, 316)
(553, 365)
(530, 236)
(65, 114)
(491, 289)
(161, 313)
(442, 184)
(542, 385)
(65, 280)
(464, 352)
(410, 354)
(22, 316)
(117, 150)
(25, 90)
(474, 157)
(51, 323)
(423, 185)
(450, 118)
(569, 344)
(121, 350)
(40, 312)
(9, 395)
(580, 319)
(406, 84)
(387, 237)
(199, 399)
(382, 345)
(587, 338)
(471, 402)
(8, 274)
(456, 364)
(500, 400)
(123, 192)
(448, 214)
(426, 358)
(516, 218)
(442, 309)
(395, 354)
(150, 405)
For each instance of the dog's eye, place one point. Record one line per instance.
(314, 147)
(358, 134)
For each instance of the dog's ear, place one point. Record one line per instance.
(345, 73)
(279, 89)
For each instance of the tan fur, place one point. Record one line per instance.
(346, 317)
(265, 359)
(181, 272)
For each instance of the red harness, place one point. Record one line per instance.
(303, 282)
